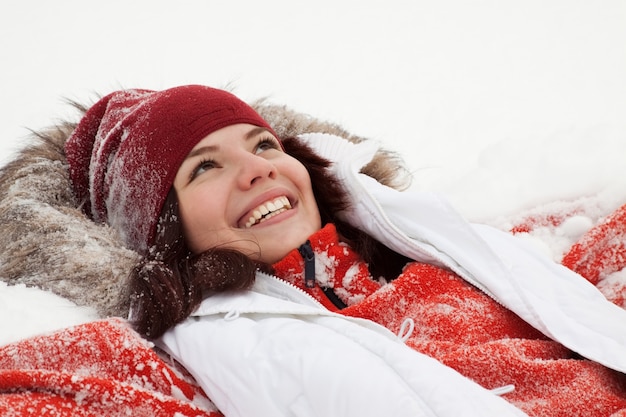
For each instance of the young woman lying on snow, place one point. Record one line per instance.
(273, 257)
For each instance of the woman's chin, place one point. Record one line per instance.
(274, 248)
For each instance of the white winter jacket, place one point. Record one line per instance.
(274, 351)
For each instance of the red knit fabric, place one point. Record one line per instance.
(337, 266)
(532, 222)
(125, 152)
(602, 250)
(101, 368)
(468, 331)
(599, 255)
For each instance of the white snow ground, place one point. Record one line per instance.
(501, 105)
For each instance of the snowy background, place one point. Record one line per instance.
(501, 105)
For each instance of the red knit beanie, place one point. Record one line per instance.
(124, 154)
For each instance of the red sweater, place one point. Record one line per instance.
(463, 328)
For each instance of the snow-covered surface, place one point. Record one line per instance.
(503, 106)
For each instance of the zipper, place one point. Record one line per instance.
(309, 263)
(306, 251)
(286, 284)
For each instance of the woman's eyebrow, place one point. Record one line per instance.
(213, 148)
(200, 151)
(255, 132)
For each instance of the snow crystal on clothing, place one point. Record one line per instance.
(324, 268)
(91, 369)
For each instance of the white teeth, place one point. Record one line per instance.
(267, 210)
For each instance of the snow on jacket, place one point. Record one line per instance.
(100, 368)
(441, 315)
(424, 227)
(275, 351)
(268, 351)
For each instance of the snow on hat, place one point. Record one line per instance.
(125, 152)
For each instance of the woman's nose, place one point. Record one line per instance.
(254, 168)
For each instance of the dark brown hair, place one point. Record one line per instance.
(169, 283)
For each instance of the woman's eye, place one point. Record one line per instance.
(202, 167)
(267, 144)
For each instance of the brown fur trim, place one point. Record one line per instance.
(49, 243)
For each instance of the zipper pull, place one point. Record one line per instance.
(309, 263)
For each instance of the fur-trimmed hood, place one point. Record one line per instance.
(52, 245)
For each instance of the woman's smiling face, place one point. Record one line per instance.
(237, 189)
